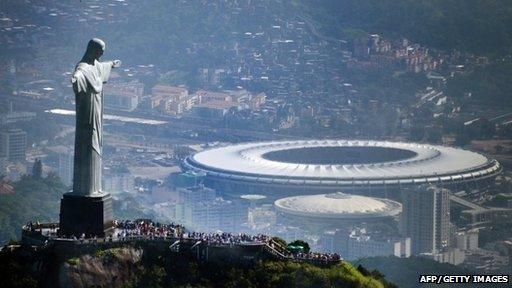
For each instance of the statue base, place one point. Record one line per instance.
(90, 215)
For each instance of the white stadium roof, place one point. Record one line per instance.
(422, 163)
(338, 206)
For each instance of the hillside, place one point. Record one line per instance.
(38, 200)
(405, 272)
(147, 266)
(144, 263)
(185, 36)
(475, 26)
(35, 200)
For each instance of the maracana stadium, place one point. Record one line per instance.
(373, 168)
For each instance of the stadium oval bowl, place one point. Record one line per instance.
(301, 167)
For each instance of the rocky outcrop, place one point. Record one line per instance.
(113, 267)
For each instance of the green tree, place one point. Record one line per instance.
(417, 133)
(33, 200)
(280, 241)
(37, 169)
(462, 139)
(302, 243)
(151, 277)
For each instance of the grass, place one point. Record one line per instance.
(73, 261)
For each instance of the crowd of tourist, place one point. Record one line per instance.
(147, 229)
(315, 256)
(220, 239)
(127, 230)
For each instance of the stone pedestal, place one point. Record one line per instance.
(91, 215)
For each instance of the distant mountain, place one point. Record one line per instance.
(476, 26)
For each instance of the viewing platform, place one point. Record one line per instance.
(173, 238)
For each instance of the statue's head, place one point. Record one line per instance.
(95, 49)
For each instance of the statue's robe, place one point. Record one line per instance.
(88, 87)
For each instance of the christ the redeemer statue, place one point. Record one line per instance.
(87, 210)
(88, 79)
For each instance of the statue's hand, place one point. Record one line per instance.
(116, 63)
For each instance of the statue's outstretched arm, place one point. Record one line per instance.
(116, 63)
(105, 67)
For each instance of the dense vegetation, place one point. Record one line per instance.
(38, 199)
(159, 269)
(405, 272)
(184, 36)
(14, 272)
(477, 26)
(481, 27)
(33, 200)
(490, 83)
(183, 271)
(499, 230)
(266, 274)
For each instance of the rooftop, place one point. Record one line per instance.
(338, 205)
(344, 160)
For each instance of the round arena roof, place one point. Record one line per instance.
(342, 162)
(338, 206)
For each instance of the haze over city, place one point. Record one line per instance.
(144, 142)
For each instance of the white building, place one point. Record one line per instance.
(360, 245)
(261, 217)
(198, 207)
(123, 95)
(426, 218)
(118, 182)
(64, 157)
(65, 169)
(196, 194)
(467, 240)
(356, 243)
(210, 216)
(453, 256)
(163, 96)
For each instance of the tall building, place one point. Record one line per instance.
(13, 145)
(192, 195)
(426, 218)
(199, 207)
(218, 214)
(467, 240)
(65, 168)
(63, 156)
(117, 179)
